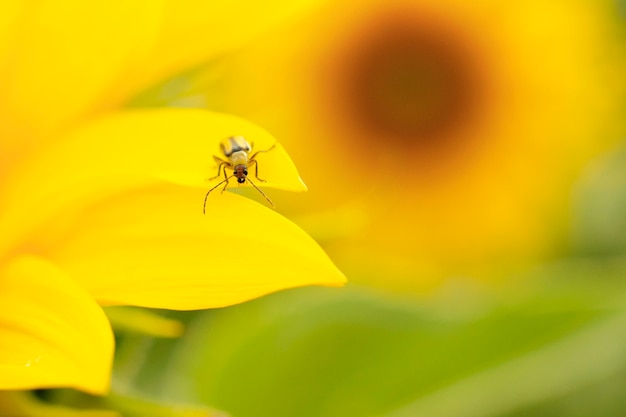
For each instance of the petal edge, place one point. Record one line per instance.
(53, 333)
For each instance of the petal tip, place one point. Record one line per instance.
(303, 186)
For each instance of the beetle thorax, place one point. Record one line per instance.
(239, 158)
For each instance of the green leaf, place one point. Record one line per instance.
(26, 404)
(311, 353)
(467, 351)
(599, 206)
(136, 405)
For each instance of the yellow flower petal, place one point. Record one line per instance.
(65, 59)
(65, 54)
(155, 248)
(9, 12)
(127, 149)
(193, 31)
(53, 334)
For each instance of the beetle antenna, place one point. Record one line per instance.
(209, 192)
(262, 193)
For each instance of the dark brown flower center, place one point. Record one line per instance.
(413, 82)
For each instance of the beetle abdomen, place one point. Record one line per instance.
(235, 144)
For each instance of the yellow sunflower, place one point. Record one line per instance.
(98, 205)
(437, 138)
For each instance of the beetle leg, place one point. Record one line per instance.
(261, 151)
(221, 164)
(256, 169)
(252, 160)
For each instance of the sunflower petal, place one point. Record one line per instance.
(194, 31)
(64, 54)
(127, 149)
(67, 58)
(155, 248)
(53, 334)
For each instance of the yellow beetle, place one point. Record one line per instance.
(236, 149)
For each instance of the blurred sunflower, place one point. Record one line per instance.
(438, 138)
(93, 211)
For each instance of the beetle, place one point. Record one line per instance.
(236, 150)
